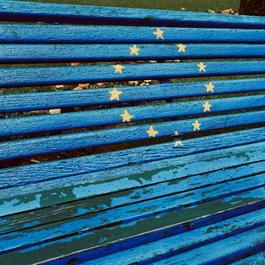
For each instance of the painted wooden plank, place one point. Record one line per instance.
(75, 120)
(74, 141)
(224, 251)
(43, 194)
(26, 11)
(180, 181)
(60, 99)
(18, 53)
(130, 213)
(98, 73)
(257, 259)
(35, 33)
(78, 244)
(140, 155)
(173, 245)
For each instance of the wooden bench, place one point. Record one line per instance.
(169, 171)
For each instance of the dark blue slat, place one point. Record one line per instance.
(15, 33)
(24, 11)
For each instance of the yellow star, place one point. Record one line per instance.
(159, 33)
(126, 116)
(115, 94)
(209, 87)
(207, 106)
(202, 67)
(152, 132)
(118, 68)
(196, 126)
(134, 50)
(182, 47)
(178, 143)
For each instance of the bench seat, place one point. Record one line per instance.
(157, 152)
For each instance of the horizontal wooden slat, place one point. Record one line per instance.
(110, 160)
(179, 243)
(60, 99)
(225, 251)
(125, 214)
(88, 185)
(11, 53)
(15, 33)
(62, 143)
(75, 120)
(98, 73)
(174, 179)
(120, 231)
(257, 259)
(23, 11)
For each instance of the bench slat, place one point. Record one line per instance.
(78, 14)
(60, 99)
(14, 33)
(172, 180)
(75, 120)
(224, 251)
(67, 246)
(10, 53)
(257, 259)
(99, 73)
(61, 143)
(94, 184)
(126, 214)
(110, 160)
(182, 242)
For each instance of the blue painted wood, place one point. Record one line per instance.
(140, 155)
(180, 180)
(97, 73)
(123, 231)
(67, 142)
(75, 120)
(35, 33)
(77, 14)
(224, 251)
(257, 259)
(60, 99)
(76, 187)
(127, 214)
(182, 242)
(17, 53)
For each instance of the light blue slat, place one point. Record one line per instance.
(60, 99)
(128, 214)
(81, 74)
(75, 120)
(36, 195)
(11, 53)
(140, 155)
(24, 11)
(180, 179)
(257, 259)
(61, 143)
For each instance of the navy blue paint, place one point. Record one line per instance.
(26, 11)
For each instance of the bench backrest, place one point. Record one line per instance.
(219, 88)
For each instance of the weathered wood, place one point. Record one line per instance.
(78, 14)
(67, 142)
(97, 73)
(11, 53)
(60, 99)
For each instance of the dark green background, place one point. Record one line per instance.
(192, 5)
